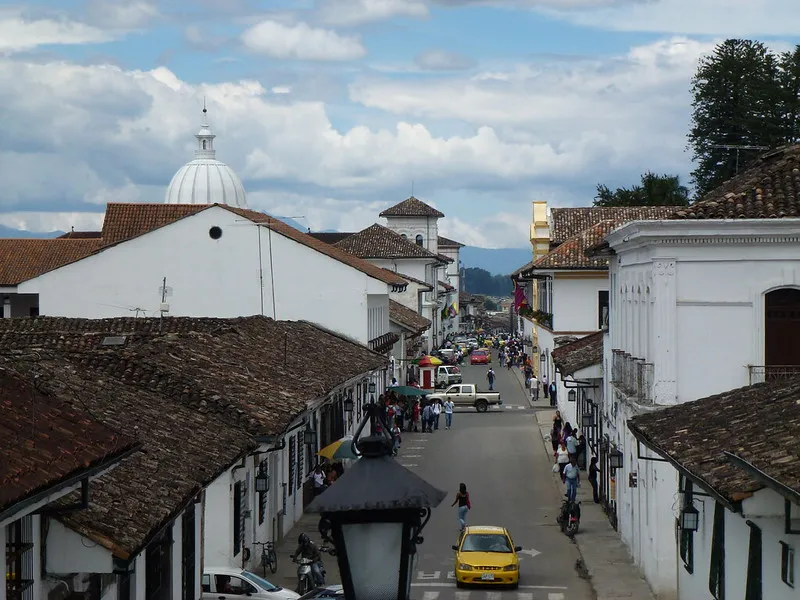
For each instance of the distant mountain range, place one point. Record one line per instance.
(498, 261)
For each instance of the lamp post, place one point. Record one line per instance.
(376, 513)
(309, 436)
(571, 395)
(690, 518)
(615, 459)
(262, 479)
(348, 403)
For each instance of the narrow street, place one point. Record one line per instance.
(500, 456)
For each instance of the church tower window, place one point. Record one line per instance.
(420, 240)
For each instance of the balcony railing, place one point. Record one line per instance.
(762, 373)
(632, 376)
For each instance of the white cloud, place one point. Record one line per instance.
(301, 42)
(729, 18)
(281, 89)
(52, 221)
(358, 12)
(19, 34)
(126, 14)
(442, 60)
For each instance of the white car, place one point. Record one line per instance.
(225, 583)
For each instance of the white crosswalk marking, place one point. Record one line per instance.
(555, 596)
(430, 595)
(492, 595)
(462, 596)
(524, 595)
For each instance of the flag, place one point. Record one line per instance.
(453, 311)
(519, 297)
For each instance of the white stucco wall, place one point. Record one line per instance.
(687, 297)
(219, 278)
(412, 226)
(575, 302)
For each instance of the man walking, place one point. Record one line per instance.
(448, 413)
(427, 419)
(572, 478)
(490, 377)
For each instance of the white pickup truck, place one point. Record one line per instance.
(467, 394)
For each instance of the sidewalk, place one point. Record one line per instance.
(543, 401)
(611, 571)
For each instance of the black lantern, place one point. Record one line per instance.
(371, 387)
(587, 420)
(262, 480)
(615, 459)
(309, 436)
(572, 395)
(543, 357)
(690, 518)
(376, 514)
(348, 403)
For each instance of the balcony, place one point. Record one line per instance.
(632, 376)
(762, 373)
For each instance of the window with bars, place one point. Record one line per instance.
(787, 564)
(753, 587)
(716, 572)
(237, 517)
(262, 497)
(188, 553)
(686, 535)
(301, 449)
(19, 559)
(292, 462)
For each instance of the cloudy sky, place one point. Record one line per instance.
(330, 110)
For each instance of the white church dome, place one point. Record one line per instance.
(205, 180)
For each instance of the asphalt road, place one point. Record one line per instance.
(500, 456)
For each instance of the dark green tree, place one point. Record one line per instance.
(490, 305)
(480, 281)
(736, 111)
(653, 190)
(788, 104)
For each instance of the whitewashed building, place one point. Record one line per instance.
(700, 304)
(737, 511)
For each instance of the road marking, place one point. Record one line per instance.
(462, 596)
(424, 575)
(407, 465)
(412, 455)
(530, 552)
(414, 448)
(430, 595)
(451, 574)
(492, 595)
(555, 596)
(525, 596)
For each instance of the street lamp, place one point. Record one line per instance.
(615, 459)
(309, 436)
(376, 513)
(348, 403)
(371, 387)
(262, 479)
(572, 395)
(587, 420)
(543, 357)
(690, 518)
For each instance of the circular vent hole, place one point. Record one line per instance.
(215, 233)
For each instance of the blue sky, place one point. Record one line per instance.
(330, 109)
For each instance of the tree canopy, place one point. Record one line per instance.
(480, 281)
(653, 190)
(746, 99)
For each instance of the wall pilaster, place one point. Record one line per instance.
(665, 324)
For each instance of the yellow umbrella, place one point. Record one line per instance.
(429, 360)
(339, 449)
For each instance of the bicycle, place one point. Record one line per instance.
(268, 556)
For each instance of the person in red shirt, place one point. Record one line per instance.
(415, 412)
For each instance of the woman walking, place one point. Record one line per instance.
(462, 497)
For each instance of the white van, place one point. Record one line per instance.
(447, 375)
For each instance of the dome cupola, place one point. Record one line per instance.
(205, 180)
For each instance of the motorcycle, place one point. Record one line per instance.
(569, 518)
(305, 576)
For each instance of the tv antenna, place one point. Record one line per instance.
(738, 147)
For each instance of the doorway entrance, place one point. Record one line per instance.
(781, 332)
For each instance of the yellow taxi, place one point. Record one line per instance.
(486, 556)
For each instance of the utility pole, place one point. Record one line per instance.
(738, 147)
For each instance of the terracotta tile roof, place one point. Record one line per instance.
(768, 189)
(580, 354)
(80, 235)
(568, 222)
(412, 207)
(207, 383)
(44, 441)
(124, 221)
(467, 298)
(330, 237)
(444, 242)
(404, 316)
(571, 254)
(24, 258)
(758, 423)
(377, 241)
(415, 280)
(446, 286)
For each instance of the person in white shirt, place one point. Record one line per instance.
(533, 386)
(448, 413)
(318, 477)
(437, 410)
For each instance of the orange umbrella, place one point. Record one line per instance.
(429, 361)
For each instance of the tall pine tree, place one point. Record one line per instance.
(737, 102)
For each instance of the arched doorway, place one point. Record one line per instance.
(781, 333)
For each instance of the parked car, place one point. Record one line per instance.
(226, 583)
(329, 592)
(486, 556)
(447, 375)
(480, 357)
(467, 394)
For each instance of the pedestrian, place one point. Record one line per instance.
(571, 442)
(437, 411)
(558, 420)
(318, 477)
(398, 413)
(572, 477)
(415, 415)
(427, 419)
(562, 459)
(448, 413)
(553, 389)
(593, 471)
(534, 387)
(555, 438)
(490, 377)
(396, 439)
(544, 383)
(464, 505)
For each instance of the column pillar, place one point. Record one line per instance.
(6, 307)
(665, 323)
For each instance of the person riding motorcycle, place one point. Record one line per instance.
(308, 549)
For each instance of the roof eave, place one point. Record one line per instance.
(759, 475)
